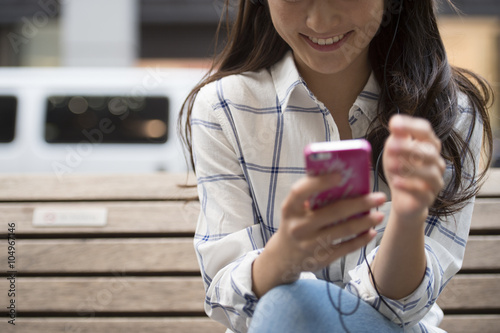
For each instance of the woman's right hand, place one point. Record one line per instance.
(309, 240)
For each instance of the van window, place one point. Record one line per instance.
(106, 119)
(8, 112)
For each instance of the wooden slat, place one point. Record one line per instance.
(122, 293)
(114, 325)
(451, 323)
(491, 187)
(486, 214)
(166, 294)
(162, 255)
(103, 255)
(482, 253)
(123, 217)
(471, 324)
(48, 187)
(471, 292)
(129, 217)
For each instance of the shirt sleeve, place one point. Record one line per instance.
(228, 237)
(445, 241)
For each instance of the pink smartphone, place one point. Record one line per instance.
(352, 158)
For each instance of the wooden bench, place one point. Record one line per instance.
(139, 273)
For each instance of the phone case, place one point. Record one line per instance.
(350, 157)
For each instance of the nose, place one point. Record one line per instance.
(322, 16)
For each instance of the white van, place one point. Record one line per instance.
(69, 120)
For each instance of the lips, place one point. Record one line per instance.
(327, 41)
(327, 44)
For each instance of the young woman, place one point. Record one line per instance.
(299, 71)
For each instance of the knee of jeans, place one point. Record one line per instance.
(277, 303)
(281, 297)
(274, 298)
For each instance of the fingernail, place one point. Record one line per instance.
(379, 217)
(379, 197)
(372, 233)
(397, 120)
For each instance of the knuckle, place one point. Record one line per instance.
(296, 189)
(285, 208)
(349, 228)
(427, 125)
(442, 165)
(295, 229)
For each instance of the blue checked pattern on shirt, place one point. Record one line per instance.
(249, 132)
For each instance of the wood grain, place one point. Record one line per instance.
(486, 214)
(124, 293)
(149, 217)
(451, 323)
(158, 186)
(491, 187)
(114, 325)
(162, 255)
(471, 292)
(126, 217)
(471, 324)
(47, 187)
(104, 255)
(85, 296)
(482, 252)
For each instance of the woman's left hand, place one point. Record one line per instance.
(413, 166)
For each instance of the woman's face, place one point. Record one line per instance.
(327, 36)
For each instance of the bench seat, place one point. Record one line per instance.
(139, 273)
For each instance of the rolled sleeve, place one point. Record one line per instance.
(444, 250)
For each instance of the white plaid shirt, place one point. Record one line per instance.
(249, 132)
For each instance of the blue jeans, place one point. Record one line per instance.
(305, 306)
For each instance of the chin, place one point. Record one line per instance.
(328, 70)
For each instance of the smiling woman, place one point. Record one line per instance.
(315, 29)
(314, 70)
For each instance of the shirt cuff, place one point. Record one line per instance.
(410, 309)
(241, 280)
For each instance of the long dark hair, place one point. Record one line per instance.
(415, 78)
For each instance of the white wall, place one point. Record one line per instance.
(99, 33)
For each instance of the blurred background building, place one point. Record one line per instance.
(90, 32)
(180, 33)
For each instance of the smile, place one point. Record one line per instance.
(328, 41)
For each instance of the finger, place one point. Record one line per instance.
(425, 166)
(306, 187)
(432, 176)
(413, 151)
(403, 159)
(351, 227)
(412, 166)
(416, 191)
(419, 187)
(418, 128)
(346, 208)
(342, 249)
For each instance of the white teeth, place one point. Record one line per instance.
(329, 41)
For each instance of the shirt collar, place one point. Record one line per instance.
(367, 101)
(290, 87)
(288, 82)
